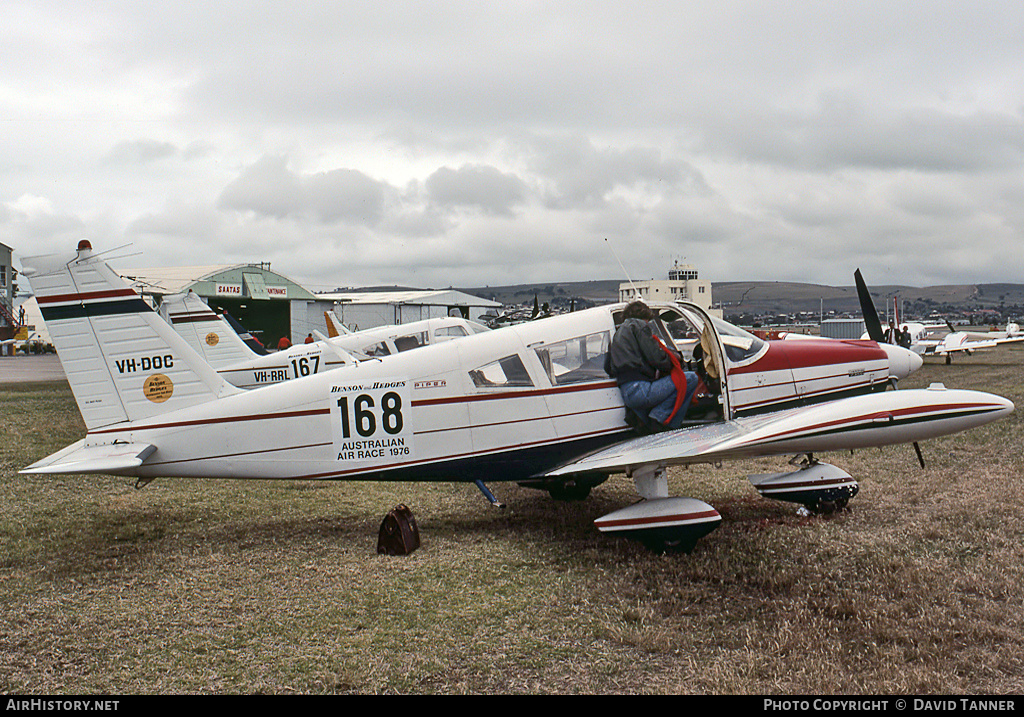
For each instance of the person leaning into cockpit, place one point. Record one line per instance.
(643, 367)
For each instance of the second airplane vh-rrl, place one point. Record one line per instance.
(528, 403)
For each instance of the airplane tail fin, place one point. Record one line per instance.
(210, 335)
(247, 337)
(124, 362)
(334, 327)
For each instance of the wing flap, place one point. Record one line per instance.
(873, 420)
(79, 458)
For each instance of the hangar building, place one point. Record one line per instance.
(268, 304)
(367, 309)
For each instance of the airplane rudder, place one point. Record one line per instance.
(123, 362)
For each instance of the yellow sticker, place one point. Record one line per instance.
(212, 339)
(158, 388)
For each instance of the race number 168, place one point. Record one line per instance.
(362, 414)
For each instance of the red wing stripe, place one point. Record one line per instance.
(189, 319)
(917, 410)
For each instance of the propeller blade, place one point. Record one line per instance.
(867, 308)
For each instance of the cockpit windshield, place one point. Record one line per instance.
(739, 345)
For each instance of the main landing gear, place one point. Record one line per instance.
(664, 524)
(672, 525)
(822, 488)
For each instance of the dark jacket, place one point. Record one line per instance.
(635, 355)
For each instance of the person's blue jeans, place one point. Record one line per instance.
(653, 400)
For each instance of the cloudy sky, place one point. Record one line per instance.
(483, 142)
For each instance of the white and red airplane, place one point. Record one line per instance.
(213, 338)
(529, 403)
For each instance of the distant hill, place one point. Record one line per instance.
(760, 298)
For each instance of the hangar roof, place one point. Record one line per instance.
(426, 297)
(254, 281)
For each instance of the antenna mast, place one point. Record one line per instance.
(624, 272)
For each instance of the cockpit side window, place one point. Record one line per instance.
(575, 360)
(378, 349)
(507, 372)
(446, 333)
(411, 341)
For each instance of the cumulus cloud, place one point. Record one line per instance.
(141, 151)
(481, 187)
(269, 188)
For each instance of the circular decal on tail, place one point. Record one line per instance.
(158, 388)
(212, 339)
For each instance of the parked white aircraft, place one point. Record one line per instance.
(528, 403)
(945, 341)
(210, 335)
(937, 339)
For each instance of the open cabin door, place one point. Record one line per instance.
(697, 337)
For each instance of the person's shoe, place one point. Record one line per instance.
(637, 423)
(656, 426)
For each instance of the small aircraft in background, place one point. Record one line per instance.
(213, 338)
(529, 403)
(967, 342)
(938, 339)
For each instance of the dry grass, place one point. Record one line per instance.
(246, 587)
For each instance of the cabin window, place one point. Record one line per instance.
(576, 360)
(411, 341)
(378, 349)
(509, 371)
(446, 333)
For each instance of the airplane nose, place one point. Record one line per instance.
(902, 362)
(915, 360)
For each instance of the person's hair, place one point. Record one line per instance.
(638, 310)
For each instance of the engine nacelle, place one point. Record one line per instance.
(821, 487)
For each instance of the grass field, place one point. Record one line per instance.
(269, 587)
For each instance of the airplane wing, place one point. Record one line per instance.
(80, 458)
(872, 420)
(944, 347)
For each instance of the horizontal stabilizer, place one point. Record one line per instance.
(109, 458)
